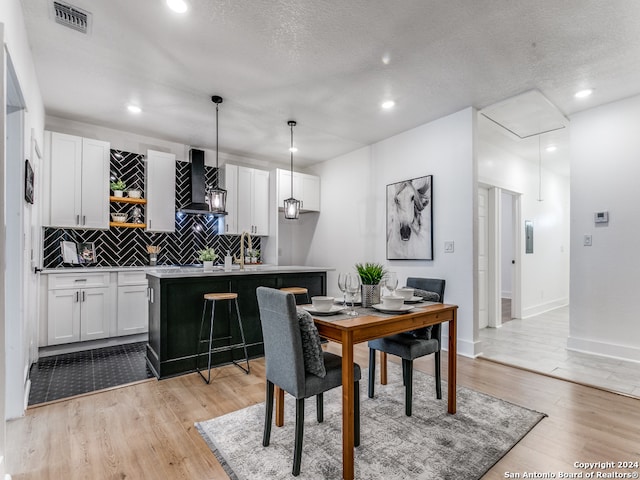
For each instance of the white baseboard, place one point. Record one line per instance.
(602, 349)
(544, 307)
(80, 346)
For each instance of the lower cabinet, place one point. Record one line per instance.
(78, 314)
(133, 310)
(133, 313)
(95, 305)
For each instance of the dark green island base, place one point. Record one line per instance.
(175, 312)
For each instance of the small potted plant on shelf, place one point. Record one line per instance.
(370, 275)
(255, 256)
(118, 188)
(207, 256)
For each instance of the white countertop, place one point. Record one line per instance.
(190, 272)
(174, 271)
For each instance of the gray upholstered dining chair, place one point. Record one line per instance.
(412, 345)
(292, 352)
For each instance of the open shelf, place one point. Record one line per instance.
(127, 225)
(128, 200)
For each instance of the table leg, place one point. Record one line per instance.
(279, 394)
(451, 394)
(383, 368)
(348, 392)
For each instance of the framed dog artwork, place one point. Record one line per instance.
(410, 219)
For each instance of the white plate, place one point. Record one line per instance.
(332, 311)
(402, 309)
(413, 300)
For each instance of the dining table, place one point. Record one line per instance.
(370, 324)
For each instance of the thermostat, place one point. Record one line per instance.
(601, 217)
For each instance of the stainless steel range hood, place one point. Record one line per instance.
(199, 204)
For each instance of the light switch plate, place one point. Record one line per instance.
(448, 247)
(587, 240)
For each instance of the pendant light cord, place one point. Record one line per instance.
(539, 169)
(291, 151)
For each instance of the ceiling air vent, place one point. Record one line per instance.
(72, 17)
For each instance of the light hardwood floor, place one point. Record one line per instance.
(147, 430)
(539, 343)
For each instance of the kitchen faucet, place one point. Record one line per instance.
(250, 247)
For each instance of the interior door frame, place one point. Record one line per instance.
(494, 294)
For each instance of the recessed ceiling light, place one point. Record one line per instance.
(551, 148)
(584, 93)
(388, 104)
(178, 6)
(134, 108)
(293, 149)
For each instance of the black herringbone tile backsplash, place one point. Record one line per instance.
(128, 246)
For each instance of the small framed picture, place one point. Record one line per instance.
(28, 182)
(87, 253)
(69, 252)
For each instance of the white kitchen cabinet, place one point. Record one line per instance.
(306, 188)
(79, 182)
(133, 311)
(77, 315)
(160, 189)
(247, 200)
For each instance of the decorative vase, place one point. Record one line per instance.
(370, 295)
(207, 265)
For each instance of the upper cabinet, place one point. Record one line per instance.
(79, 182)
(306, 188)
(247, 200)
(160, 189)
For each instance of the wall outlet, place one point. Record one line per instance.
(448, 247)
(587, 240)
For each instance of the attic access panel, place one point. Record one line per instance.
(526, 115)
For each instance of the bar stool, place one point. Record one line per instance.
(213, 297)
(298, 292)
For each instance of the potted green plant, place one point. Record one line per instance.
(118, 188)
(255, 256)
(207, 256)
(370, 275)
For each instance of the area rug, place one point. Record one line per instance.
(430, 444)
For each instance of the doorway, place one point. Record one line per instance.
(498, 256)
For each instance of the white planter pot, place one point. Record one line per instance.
(208, 265)
(118, 193)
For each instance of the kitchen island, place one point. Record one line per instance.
(175, 311)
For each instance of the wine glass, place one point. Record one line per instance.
(353, 288)
(391, 282)
(342, 285)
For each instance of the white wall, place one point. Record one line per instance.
(16, 46)
(352, 221)
(605, 168)
(545, 273)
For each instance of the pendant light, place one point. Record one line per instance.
(217, 196)
(291, 205)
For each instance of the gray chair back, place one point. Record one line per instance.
(431, 285)
(282, 340)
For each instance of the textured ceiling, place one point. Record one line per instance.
(326, 64)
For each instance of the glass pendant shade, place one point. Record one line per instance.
(217, 200)
(291, 208)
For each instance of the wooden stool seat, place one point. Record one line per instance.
(295, 290)
(220, 296)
